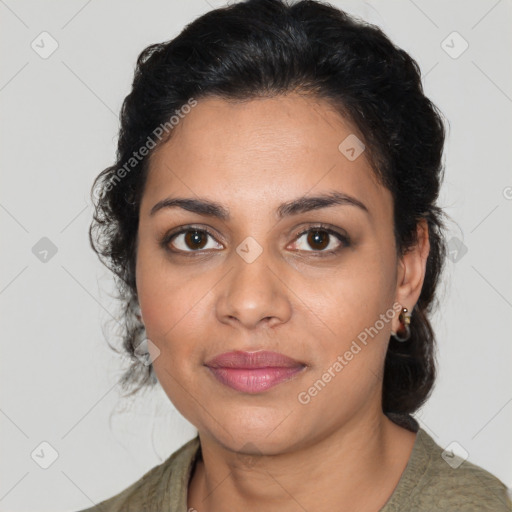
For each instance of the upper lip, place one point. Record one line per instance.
(260, 359)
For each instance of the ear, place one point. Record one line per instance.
(138, 314)
(411, 272)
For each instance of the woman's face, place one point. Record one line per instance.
(260, 281)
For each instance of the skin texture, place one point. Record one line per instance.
(268, 451)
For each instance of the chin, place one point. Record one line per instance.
(254, 432)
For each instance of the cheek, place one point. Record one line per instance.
(152, 299)
(161, 295)
(353, 295)
(350, 339)
(172, 304)
(352, 312)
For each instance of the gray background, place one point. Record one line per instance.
(58, 131)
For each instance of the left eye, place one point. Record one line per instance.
(320, 239)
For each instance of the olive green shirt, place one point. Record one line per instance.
(429, 483)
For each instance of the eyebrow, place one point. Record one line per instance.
(300, 205)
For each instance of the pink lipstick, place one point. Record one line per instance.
(253, 372)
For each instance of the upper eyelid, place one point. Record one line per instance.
(301, 231)
(183, 229)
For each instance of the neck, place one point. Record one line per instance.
(353, 468)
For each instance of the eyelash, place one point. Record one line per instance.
(345, 240)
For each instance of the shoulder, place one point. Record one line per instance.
(441, 480)
(156, 487)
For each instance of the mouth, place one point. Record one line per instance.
(253, 372)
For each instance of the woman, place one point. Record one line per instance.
(272, 223)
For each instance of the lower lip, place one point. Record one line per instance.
(254, 380)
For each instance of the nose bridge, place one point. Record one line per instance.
(253, 291)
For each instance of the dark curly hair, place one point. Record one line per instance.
(264, 48)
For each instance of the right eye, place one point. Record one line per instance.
(189, 239)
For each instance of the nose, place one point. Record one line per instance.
(253, 294)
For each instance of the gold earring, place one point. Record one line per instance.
(404, 333)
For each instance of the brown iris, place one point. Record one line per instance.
(316, 237)
(195, 238)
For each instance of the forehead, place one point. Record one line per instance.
(262, 152)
